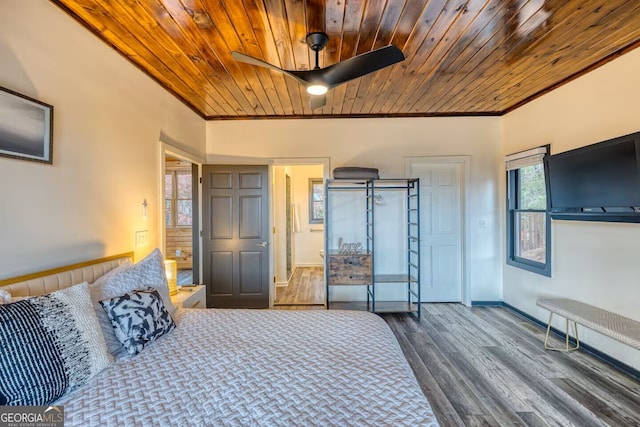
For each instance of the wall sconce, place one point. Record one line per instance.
(171, 270)
(144, 208)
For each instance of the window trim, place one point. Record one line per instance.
(312, 182)
(172, 214)
(512, 210)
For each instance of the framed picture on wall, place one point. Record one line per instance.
(26, 127)
(316, 200)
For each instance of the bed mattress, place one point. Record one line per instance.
(259, 368)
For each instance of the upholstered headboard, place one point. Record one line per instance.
(52, 280)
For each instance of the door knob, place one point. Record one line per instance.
(263, 244)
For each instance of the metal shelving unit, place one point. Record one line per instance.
(360, 268)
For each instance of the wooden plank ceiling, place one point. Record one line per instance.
(474, 57)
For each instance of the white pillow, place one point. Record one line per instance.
(7, 298)
(149, 271)
(113, 345)
(103, 279)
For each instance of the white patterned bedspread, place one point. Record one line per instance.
(259, 368)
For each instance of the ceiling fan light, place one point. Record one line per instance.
(317, 89)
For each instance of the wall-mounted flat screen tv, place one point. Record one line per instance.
(599, 182)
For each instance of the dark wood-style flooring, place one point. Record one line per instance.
(306, 287)
(485, 366)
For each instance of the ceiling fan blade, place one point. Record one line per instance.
(260, 63)
(335, 74)
(253, 61)
(361, 65)
(317, 101)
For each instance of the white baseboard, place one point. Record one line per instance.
(286, 282)
(310, 265)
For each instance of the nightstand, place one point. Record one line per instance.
(190, 297)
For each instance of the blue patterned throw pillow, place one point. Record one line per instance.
(49, 346)
(138, 318)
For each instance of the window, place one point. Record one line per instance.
(177, 199)
(528, 221)
(316, 201)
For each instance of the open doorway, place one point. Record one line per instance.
(179, 216)
(298, 212)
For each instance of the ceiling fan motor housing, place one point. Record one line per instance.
(317, 41)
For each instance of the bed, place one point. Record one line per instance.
(246, 367)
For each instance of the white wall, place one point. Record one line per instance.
(593, 262)
(385, 144)
(280, 225)
(109, 118)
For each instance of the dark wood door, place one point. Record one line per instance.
(235, 236)
(195, 225)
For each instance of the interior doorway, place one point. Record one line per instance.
(180, 217)
(235, 230)
(298, 233)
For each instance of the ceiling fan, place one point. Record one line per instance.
(319, 80)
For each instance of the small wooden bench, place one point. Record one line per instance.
(605, 322)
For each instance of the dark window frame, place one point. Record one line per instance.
(513, 209)
(174, 199)
(312, 182)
